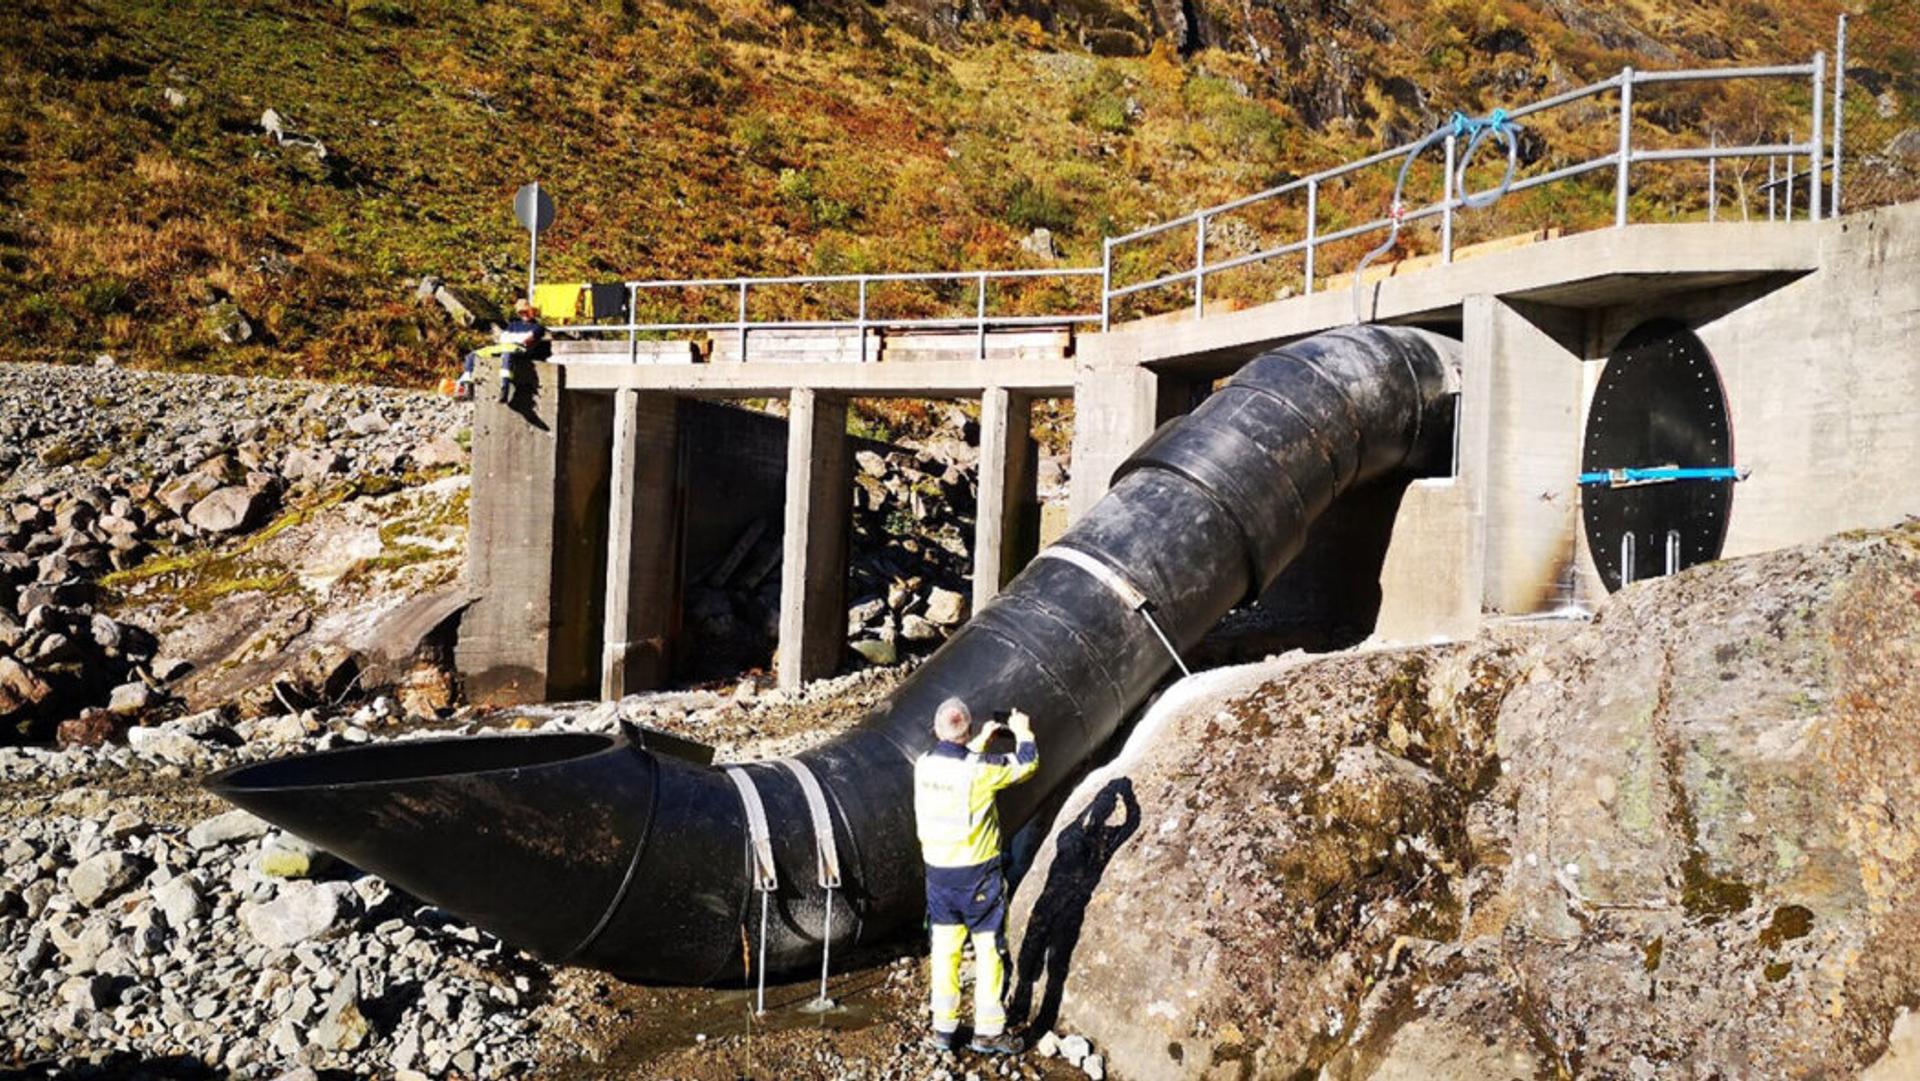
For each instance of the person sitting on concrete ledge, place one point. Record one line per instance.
(522, 340)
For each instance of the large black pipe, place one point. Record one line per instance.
(596, 850)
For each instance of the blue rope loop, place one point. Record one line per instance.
(1494, 124)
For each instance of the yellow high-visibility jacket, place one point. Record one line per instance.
(953, 806)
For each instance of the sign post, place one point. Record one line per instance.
(533, 208)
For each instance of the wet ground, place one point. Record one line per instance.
(874, 1030)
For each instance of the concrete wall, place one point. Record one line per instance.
(1823, 385)
(502, 649)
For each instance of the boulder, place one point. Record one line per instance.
(877, 651)
(947, 608)
(312, 464)
(439, 451)
(21, 690)
(104, 876)
(1905, 145)
(166, 743)
(225, 321)
(130, 699)
(93, 728)
(466, 309)
(183, 492)
(1040, 243)
(1709, 850)
(225, 829)
(178, 898)
(343, 1027)
(1276, 815)
(228, 510)
(287, 856)
(1666, 841)
(301, 911)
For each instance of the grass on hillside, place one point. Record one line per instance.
(709, 137)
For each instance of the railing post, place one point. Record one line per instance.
(1313, 226)
(1625, 151)
(1773, 192)
(1839, 115)
(1199, 265)
(1816, 185)
(1106, 283)
(980, 314)
(860, 317)
(1713, 179)
(1446, 208)
(633, 323)
(743, 320)
(1789, 214)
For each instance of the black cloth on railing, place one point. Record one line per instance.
(607, 301)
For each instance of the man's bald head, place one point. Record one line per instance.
(952, 720)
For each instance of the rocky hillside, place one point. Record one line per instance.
(150, 551)
(1673, 843)
(261, 187)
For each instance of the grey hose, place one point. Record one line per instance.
(1496, 123)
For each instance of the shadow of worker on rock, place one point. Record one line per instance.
(1082, 851)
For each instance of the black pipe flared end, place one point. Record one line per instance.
(529, 837)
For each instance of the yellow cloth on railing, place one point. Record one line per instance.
(558, 302)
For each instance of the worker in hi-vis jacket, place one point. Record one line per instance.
(959, 827)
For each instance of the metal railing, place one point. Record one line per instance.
(1621, 161)
(981, 322)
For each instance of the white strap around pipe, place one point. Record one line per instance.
(760, 842)
(1107, 576)
(823, 842)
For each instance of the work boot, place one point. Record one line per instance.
(1003, 1044)
(941, 1041)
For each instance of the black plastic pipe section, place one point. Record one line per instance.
(595, 850)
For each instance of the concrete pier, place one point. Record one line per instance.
(813, 571)
(642, 553)
(1006, 529)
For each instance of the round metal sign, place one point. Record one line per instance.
(1659, 405)
(533, 208)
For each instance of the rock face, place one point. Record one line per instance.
(1669, 844)
(1205, 861)
(1716, 779)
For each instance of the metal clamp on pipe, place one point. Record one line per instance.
(765, 878)
(1129, 594)
(829, 863)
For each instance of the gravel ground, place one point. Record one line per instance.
(148, 930)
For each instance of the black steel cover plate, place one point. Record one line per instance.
(1659, 403)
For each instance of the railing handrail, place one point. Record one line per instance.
(1620, 159)
(855, 279)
